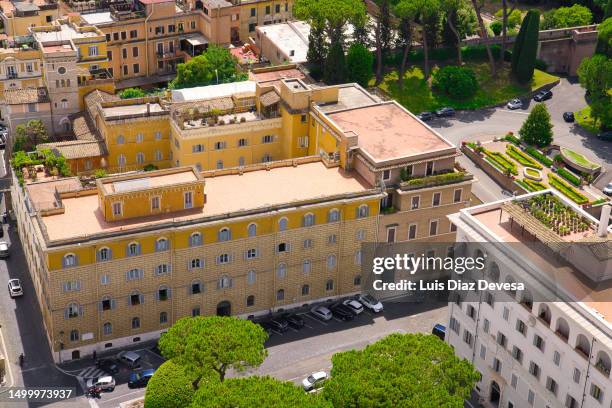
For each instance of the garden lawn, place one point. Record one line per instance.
(579, 159)
(584, 119)
(417, 96)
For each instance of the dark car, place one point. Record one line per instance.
(341, 312)
(568, 116)
(140, 378)
(425, 116)
(294, 320)
(108, 365)
(607, 136)
(542, 96)
(445, 112)
(439, 331)
(280, 325)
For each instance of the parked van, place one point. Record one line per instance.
(129, 358)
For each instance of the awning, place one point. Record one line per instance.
(197, 39)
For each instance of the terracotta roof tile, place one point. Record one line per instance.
(25, 95)
(76, 149)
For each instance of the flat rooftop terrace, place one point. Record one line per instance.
(387, 132)
(65, 33)
(145, 182)
(116, 112)
(564, 275)
(225, 194)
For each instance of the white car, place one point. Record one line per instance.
(14, 288)
(106, 383)
(354, 305)
(321, 312)
(4, 249)
(314, 380)
(608, 189)
(371, 303)
(515, 104)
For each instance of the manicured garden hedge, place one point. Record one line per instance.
(502, 160)
(512, 139)
(566, 189)
(531, 185)
(521, 157)
(539, 156)
(569, 176)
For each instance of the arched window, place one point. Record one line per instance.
(333, 215)
(527, 299)
(69, 260)
(74, 335)
(329, 285)
(363, 211)
(305, 290)
(252, 230)
(104, 254)
(195, 239)
(162, 244)
(358, 257)
(225, 282)
(135, 322)
(195, 263)
(583, 345)
(107, 329)
(282, 224)
(544, 314)
(133, 249)
(72, 310)
(163, 317)
(250, 301)
(140, 158)
(494, 272)
(562, 329)
(331, 261)
(309, 220)
(603, 363)
(64, 103)
(280, 294)
(225, 234)
(251, 277)
(306, 266)
(281, 270)
(163, 293)
(121, 160)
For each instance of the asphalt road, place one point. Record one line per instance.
(489, 123)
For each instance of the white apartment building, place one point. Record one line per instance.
(550, 345)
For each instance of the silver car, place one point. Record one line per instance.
(515, 104)
(314, 380)
(106, 383)
(4, 249)
(14, 288)
(321, 312)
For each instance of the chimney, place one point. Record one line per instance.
(602, 231)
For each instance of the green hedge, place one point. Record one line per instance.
(566, 189)
(522, 158)
(505, 162)
(569, 176)
(512, 139)
(539, 156)
(437, 179)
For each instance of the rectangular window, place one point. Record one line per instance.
(171, 28)
(189, 199)
(457, 195)
(135, 52)
(116, 36)
(497, 365)
(483, 352)
(534, 369)
(486, 325)
(514, 381)
(125, 70)
(32, 107)
(93, 51)
(197, 148)
(155, 203)
(133, 33)
(521, 327)
(251, 253)
(252, 27)
(386, 175)
(517, 354)
(117, 209)
(253, 12)
(556, 358)
(109, 55)
(136, 68)
(576, 376)
(433, 228)
(123, 35)
(596, 392)
(538, 342)
(468, 337)
(391, 234)
(412, 231)
(551, 385)
(501, 339)
(436, 199)
(530, 397)
(506, 313)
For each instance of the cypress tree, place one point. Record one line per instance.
(334, 70)
(519, 42)
(527, 58)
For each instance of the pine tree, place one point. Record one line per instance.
(537, 129)
(334, 71)
(316, 47)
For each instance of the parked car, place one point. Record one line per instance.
(568, 117)
(341, 312)
(515, 103)
(439, 330)
(314, 380)
(294, 320)
(446, 111)
(279, 325)
(108, 364)
(14, 288)
(354, 305)
(607, 136)
(4, 248)
(425, 116)
(129, 358)
(140, 378)
(608, 189)
(542, 96)
(106, 383)
(321, 312)
(371, 303)
(3, 136)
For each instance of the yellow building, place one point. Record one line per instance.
(255, 13)
(19, 16)
(20, 64)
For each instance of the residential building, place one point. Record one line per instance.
(19, 16)
(285, 42)
(549, 345)
(20, 63)
(254, 13)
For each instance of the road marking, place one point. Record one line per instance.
(316, 319)
(91, 372)
(34, 368)
(336, 319)
(511, 111)
(93, 403)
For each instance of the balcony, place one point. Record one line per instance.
(167, 55)
(581, 352)
(11, 75)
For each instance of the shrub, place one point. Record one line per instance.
(566, 189)
(521, 157)
(502, 162)
(458, 82)
(359, 61)
(132, 93)
(539, 156)
(496, 27)
(437, 179)
(541, 65)
(568, 176)
(150, 167)
(512, 139)
(99, 173)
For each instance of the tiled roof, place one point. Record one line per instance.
(76, 149)
(82, 128)
(97, 97)
(269, 98)
(25, 95)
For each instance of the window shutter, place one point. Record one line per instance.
(80, 310)
(65, 286)
(217, 260)
(113, 303)
(190, 289)
(66, 313)
(357, 212)
(78, 285)
(169, 292)
(138, 249)
(100, 307)
(141, 273)
(169, 268)
(142, 299)
(157, 295)
(230, 282)
(219, 284)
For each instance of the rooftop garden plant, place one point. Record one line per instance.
(501, 161)
(521, 157)
(566, 189)
(578, 159)
(569, 176)
(560, 218)
(539, 156)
